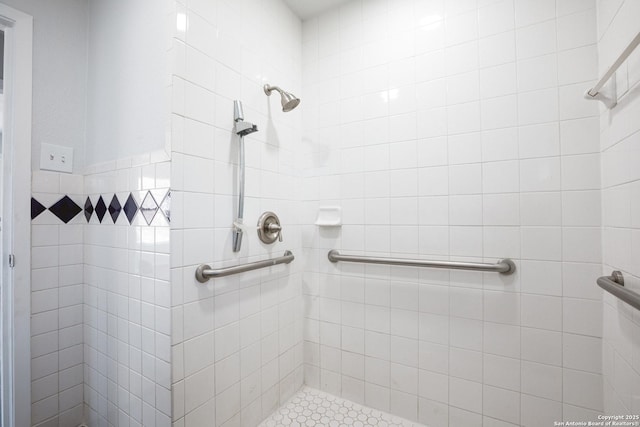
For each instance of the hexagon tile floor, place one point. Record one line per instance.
(311, 407)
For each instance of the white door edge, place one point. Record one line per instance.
(16, 297)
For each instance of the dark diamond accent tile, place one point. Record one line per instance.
(88, 209)
(130, 208)
(101, 209)
(114, 208)
(36, 208)
(149, 207)
(65, 209)
(165, 206)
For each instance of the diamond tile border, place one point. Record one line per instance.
(130, 208)
(114, 208)
(88, 209)
(311, 407)
(148, 207)
(65, 209)
(36, 208)
(101, 209)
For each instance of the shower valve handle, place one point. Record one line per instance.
(275, 228)
(269, 228)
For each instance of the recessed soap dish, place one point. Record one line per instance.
(329, 216)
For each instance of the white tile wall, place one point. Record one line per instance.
(447, 130)
(56, 305)
(454, 130)
(236, 341)
(100, 303)
(127, 300)
(619, 134)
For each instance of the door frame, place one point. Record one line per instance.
(16, 218)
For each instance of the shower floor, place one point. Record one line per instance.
(311, 407)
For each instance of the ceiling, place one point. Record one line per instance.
(306, 9)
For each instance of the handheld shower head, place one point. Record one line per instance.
(288, 100)
(238, 112)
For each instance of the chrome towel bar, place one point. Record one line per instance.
(504, 266)
(614, 284)
(205, 272)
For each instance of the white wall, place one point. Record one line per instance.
(127, 321)
(59, 116)
(455, 130)
(56, 305)
(126, 107)
(59, 74)
(100, 318)
(237, 341)
(620, 144)
(116, 99)
(444, 130)
(127, 292)
(122, 335)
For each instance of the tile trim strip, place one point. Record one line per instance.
(150, 204)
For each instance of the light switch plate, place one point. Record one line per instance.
(56, 158)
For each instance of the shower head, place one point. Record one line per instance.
(289, 101)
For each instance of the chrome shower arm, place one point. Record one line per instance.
(268, 88)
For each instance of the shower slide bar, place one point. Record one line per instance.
(614, 284)
(504, 266)
(610, 99)
(205, 272)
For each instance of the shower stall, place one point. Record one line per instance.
(421, 238)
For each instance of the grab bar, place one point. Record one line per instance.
(504, 266)
(205, 272)
(611, 99)
(614, 284)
